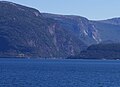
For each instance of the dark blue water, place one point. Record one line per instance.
(59, 73)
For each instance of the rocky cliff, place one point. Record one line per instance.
(25, 32)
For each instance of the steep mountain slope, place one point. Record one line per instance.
(79, 26)
(107, 31)
(90, 32)
(24, 32)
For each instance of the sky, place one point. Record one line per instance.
(91, 9)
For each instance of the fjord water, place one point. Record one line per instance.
(59, 73)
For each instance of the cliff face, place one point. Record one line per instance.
(108, 31)
(81, 27)
(24, 32)
(89, 31)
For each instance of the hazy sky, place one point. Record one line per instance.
(92, 9)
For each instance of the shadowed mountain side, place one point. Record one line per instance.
(100, 51)
(24, 32)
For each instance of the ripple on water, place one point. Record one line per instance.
(59, 73)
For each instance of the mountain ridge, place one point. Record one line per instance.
(26, 32)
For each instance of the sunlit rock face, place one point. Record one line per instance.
(25, 32)
(79, 26)
(89, 31)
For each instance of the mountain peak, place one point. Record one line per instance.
(24, 31)
(11, 8)
(8, 3)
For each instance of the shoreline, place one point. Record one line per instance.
(59, 58)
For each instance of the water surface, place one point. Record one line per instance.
(59, 73)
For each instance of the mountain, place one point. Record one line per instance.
(89, 31)
(24, 32)
(107, 31)
(100, 51)
(79, 26)
(114, 21)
